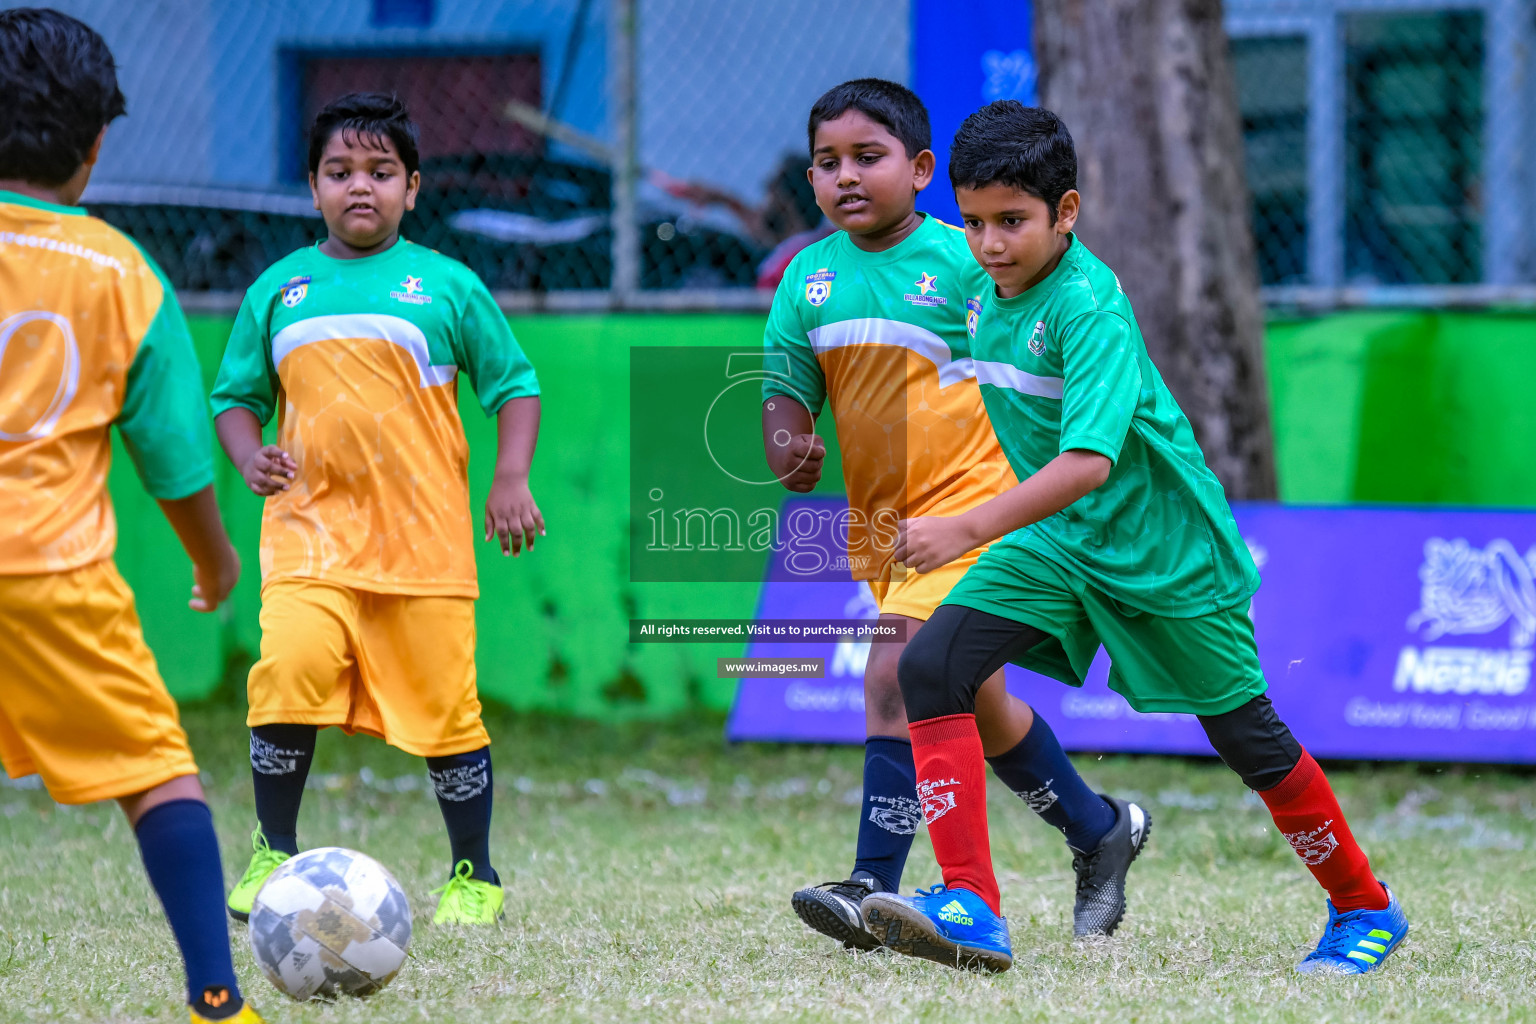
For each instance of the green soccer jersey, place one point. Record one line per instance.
(1063, 366)
(360, 361)
(886, 337)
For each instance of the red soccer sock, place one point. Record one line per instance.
(952, 786)
(1308, 815)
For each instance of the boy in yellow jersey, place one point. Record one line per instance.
(91, 337)
(875, 319)
(368, 568)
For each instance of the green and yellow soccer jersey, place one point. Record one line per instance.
(360, 360)
(1063, 366)
(90, 337)
(886, 337)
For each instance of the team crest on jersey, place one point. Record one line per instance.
(415, 292)
(294, 291)
(818, 286)
(1037, 340)
(972, 315)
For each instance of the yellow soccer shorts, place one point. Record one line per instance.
(81, 700)
(903, 591)
(395, 666)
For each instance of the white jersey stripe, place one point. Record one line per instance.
(1006, 375)
(879, 331)
(393, 329)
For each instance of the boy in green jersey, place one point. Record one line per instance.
(1118, 535)
(367, 559)
(874, 320)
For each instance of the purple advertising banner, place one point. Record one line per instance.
(1402, 634)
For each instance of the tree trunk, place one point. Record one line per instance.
(1146, 88)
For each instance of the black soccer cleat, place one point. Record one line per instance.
(1100, 902)
(832, 908)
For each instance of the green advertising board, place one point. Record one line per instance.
(1390, 407)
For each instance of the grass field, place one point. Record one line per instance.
(649, 869)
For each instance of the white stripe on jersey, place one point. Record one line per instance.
(878, 331)
(1006, 375)
(342, 326)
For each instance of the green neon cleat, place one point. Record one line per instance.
(264, 861)
(468, 900)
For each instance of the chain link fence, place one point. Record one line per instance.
(652, 152)
(1389, 147)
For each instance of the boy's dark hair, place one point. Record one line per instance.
(367, 117)
(1007, 143)
(60, 87)
(888, 103)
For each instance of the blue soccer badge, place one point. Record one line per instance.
(972, 315)
(818, 286)
(294, 291)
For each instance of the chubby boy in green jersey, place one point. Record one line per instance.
(367, 559)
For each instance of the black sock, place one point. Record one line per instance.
(891, 813)
(181, 858)
(1041, 774)
(280, 760)
(463, 786)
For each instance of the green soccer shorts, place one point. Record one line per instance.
(1207, 665)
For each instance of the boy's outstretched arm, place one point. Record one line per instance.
(266, 469)
(215, 566)
(794, 451)
(928, 542)
(510, 512)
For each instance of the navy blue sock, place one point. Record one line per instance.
(181, 857)
(463, 786)
(280, 760)
(1038, 771)
(891, 813)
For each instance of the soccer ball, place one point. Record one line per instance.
(330, 921)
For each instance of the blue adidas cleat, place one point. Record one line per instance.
(954, 927)
(1357, 941)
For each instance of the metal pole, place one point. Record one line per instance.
(1507, 35)
(621, 90)
(1325, 150)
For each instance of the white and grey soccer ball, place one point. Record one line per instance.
(330, 921)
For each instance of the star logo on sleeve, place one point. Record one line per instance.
(926, 283)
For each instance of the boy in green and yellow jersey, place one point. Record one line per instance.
(367, 560)
(91, 337)
(876, 319)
